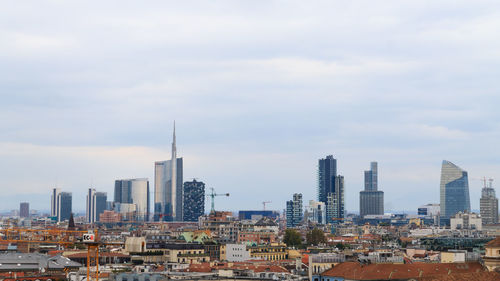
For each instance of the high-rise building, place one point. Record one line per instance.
(371, 200)
(134, 191)
(331, 188)
(96, 204)
(168, 187)
(53, 201)
(294, 212)
(64, 208)
(316, 212)
(24, 210)
(454, 191)
(60, 204)
(194, 200)
(488, 204)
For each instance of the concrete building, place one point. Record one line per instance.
(24, 210)
(134, 191)
(454, 190)
(466, 221)
(316, 212)
(54, 202)
(331, 188)
(429, 210)
(488, 204)
(194, 200)
(96, 204)
(294, 212)
(371, 200)
(237, 253)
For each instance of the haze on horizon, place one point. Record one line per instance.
(260, 90)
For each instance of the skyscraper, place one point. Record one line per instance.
(24, 210)
(488, 204)
(454, 191)
(331, 188)
(64, 207)
(134, 191)
(294, 211)
(96, 204)
(168, 187)
(371, 200)
(194, 200)
(54, 202)
(60, 204)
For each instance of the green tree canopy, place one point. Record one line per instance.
(292, 238)
(315, 237)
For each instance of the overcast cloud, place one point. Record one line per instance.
(260, 90)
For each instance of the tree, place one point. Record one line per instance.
(292, 238)
(315, 237)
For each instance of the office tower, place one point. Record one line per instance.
(96, 204)
(331, 188)
(371, 200)
(134, 191)
(64, 201)
(454, 191)
(53, 202)
(294, 211)
(168, 187)
(488, 204)
(24, 210)
(194, 200)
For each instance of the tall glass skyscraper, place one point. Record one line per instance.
(134, 191)
(96, 204)
(371, 200)
(168, 187)
(331, 188)
(454, 190)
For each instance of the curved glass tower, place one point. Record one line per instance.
(454, 190)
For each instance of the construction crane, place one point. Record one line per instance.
(264, 204)
(60, 237)
(212, 197)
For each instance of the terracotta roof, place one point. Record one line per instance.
(494, 243)
(357, 271)
(476, 276)
(255, 267)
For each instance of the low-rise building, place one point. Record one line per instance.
(466, 221)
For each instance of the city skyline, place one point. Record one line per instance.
(406, 85)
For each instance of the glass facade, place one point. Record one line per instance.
(134, 191)
(454, 190)
(294, 211)
(65, 205)
(168, 196)
(371, 200)
(194, 200)
(330, 188)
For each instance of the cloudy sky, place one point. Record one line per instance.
(260, 90)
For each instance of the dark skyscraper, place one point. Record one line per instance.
(65, 206)
(194, 200)
(294, 211)
(371, 200)
(96, 204)
(331, 188)
(24, 210)
(454, 190)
